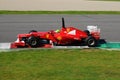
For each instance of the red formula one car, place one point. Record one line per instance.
(64, 36)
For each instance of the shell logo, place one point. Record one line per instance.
(68, 29)
(47, 36)
(59, 38)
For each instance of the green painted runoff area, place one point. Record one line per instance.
(115, 45)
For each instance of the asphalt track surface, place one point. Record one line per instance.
(11, 25)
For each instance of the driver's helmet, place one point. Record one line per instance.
(57, 31)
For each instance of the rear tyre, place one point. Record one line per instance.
(34, 41)
(87, 32)
(90, 41)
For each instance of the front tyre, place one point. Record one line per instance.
(32, 31)
(33, 41)
(90, 41)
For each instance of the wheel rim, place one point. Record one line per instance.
(34, 42)
(91, 42)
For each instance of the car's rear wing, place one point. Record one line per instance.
(94, 31)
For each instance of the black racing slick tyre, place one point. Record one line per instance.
(32, 31)
(87, 32)
(90, 41)
(34, 41)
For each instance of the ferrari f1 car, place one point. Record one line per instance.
(64, 36)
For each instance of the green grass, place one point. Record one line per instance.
(59, 12)
(60, 64)
(106, 0)
(110, 0)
